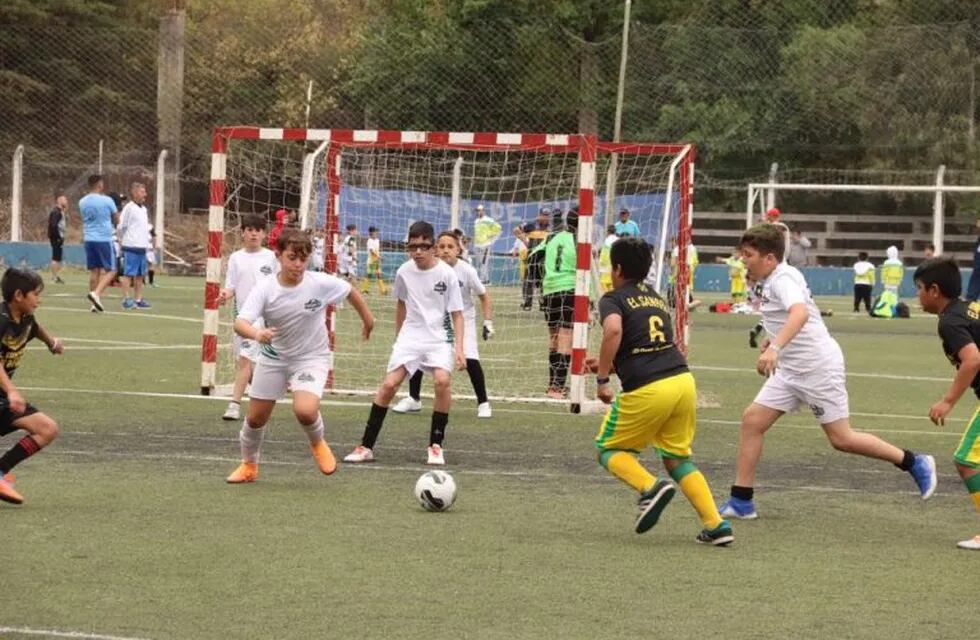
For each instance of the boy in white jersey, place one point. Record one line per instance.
(348, 255)
(448, 249)
(246, 268)
(294, 349)
(373, 262)
(803, 365)
(429, 325)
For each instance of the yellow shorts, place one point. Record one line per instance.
(737, 288)
(662, 414)
(968, 450)
(605, 282)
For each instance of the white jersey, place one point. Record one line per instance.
(134, 226)
(374, 249)
(246, 268)
(430, 297)
(348, 254)
(469, 285)
(813, 348)
(318, 248)
(297, 313)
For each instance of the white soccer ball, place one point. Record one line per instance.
(435, 490)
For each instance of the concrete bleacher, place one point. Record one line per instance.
(837, 238)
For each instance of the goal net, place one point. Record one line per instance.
(386, 180)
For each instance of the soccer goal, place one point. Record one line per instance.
(389, 179)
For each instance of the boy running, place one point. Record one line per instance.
(938, 285)
(294, 349)
(803, 365)
(429, 328)
(657, 405)
(21, 298)
(246, 267)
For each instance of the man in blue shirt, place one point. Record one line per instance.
(625, 226)
(99, 216)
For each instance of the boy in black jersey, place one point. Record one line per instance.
(938, 285)
(21, 297)
(657, 405)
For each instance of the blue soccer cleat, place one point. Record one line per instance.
(924, 472)
(738, 509)
(128, 303)
(143, 304)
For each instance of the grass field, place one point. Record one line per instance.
(129, 530)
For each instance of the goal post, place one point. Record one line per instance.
(389, 179)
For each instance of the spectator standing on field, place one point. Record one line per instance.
(56, 234)
(485, 231)
(134, 232)
(99, 214)
(798, 246)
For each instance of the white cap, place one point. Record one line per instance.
(479, 207)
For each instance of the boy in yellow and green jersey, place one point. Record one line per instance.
(658, 403)
(938, 286)
(736, 277)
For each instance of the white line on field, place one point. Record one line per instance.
(67, 339)
(51, 633)
(145, 347)
(130, 314)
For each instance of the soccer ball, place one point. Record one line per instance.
(435, 490)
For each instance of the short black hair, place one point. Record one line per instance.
(611, 228)
(421, 229)
(862, 255)
(633, 255)
(765, 238)
(372, 229)
(624, 210)
(22, 280)
(351, 226)
(255, 221)
(94, 179)
(942, 272)
(571, 220)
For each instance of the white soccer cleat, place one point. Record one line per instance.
(96, 301)
(973, 544)
(435, 455)
(233, 412)
(408, 404)
(483, 410)
(360, 454)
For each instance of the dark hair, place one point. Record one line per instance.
(372, 229)
(296, 240)
(459, 233)
(351, 226)
(421, 229)
(863, 255)
(118, 199)
(765, 238)
(624, 210)
(571, 220)
(254, 221)
(930, 247)
(22, 280)
(611, 228)
(942, 272)
(94, 179)
(633, 256)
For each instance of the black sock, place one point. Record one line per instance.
(373, 428)
(415, 385)
(21, 451)
(561, 370)
(438, 430)
(552, 368)
(904, 465)
(475, 369)
(151, 272)
(742, 493)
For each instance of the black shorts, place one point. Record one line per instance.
(8, 417)
(57, 250)
(559, 309)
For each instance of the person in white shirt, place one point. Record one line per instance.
(133, 231)
(294, 350)
(430, 335)
(803, 366)
(246, 267)
(448, 248)
(348, 255)
(319, 245)
(864, 282)
(373, 269)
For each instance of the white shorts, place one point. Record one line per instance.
(470, 342)
(348, 270)
(245, 348)
(825, 392)
(271, 377)
(422, 356)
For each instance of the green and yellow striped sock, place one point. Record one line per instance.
(973, 486)
(625, 466)
(694, 485)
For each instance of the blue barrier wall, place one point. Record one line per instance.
(37, 255)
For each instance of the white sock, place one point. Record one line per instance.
(314, 431)
(251, 441)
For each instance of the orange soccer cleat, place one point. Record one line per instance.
(324, 457)
(7, 491)
(246, 472)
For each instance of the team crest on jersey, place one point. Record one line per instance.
(440, 287)
(265, 269)
(312, 304)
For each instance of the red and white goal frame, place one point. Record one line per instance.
(587, 147)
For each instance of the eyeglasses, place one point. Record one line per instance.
(424, 246)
